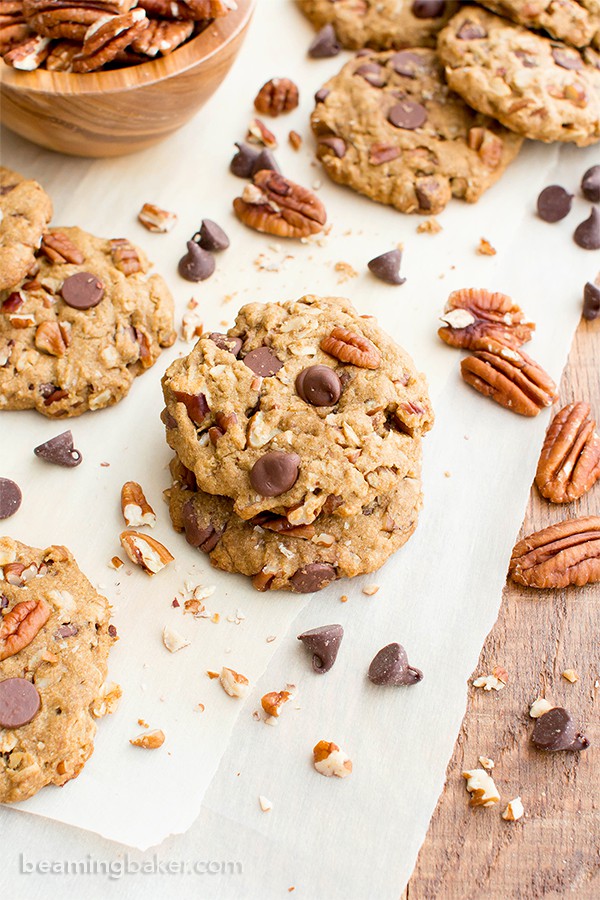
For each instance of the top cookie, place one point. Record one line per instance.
(302, 404)
(388, 126)
(25, 210)
(381, 24)
(536, 86)
(574, 21)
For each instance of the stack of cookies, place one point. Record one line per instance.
(80, 317)
(298, 444)
(441, 105)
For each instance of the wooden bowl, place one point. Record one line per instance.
(123, 110)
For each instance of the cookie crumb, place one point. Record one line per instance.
(345, 271)
(429, 226)
(570, 675)
(265, 804)
(485, 248)
(370, 589)
(344, 598)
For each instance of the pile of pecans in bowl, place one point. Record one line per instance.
(85, 36)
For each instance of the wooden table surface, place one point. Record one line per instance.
(554, 850)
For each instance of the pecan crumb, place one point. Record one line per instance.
(151, 740)
(429, 226)
(486, 762)
(570, 675)
(539, 707)
(295, 140)
(265, 804)
(514, 810)
(481, 787)
(345, 271)
(485, 248)
(370, 589)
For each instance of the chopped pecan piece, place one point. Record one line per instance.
(279, 95)
(125, 256)
(58, 248)
(21, 625)
(51, 338)
(511, 378)
(349, 347)
(477, 319)
(563, 554)
(569, 463)
(274, 205)
(282, 525)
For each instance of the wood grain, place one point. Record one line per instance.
(554, 850)
(120, 111)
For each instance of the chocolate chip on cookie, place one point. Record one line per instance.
(225, 342)
(319, 386)
(263, 362)
(275, 473)
(82, 291)
(313, 577)
(19, 702)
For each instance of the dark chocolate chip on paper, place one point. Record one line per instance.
(265, 160)
(387, 267)
(391, 667)
(590, 184)
(243, 161)
(324, 644)
(10, 498)
(211, 236)
(591, 301)
(59, 451)
(197, 264)
(554, 203)
(587, 234)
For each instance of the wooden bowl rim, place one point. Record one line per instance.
(200, 49)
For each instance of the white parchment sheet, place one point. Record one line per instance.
(438, 596)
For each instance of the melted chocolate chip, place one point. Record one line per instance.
(324, 44)
(390, 667)
(65, 631)
(263, 362)
(225, 342)
(204, 536)
(313, 577)
(324, 644)
(322, 95)
(408, 63)
(387, 267)
(319, 386)
(167, 419)
(243, 161)
(334, 143)
(82, 291)
(590, 184)
(567, 59)
(19, 702)
(528, 61)
(275, 473)
(591, 301)
(428, 9)
(10, 498)
(197, 264)
(587, 233)
(372, 73)
(471, 31)
(554, 203)
(555, 730)
(211, 236)
(195, 404)
(59, 451)
(407, 114)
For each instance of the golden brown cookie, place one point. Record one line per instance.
(25, 210)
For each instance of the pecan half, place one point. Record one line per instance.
(125, 256)
(105, 39)
(58, 248)
(569, 463)
(477, 319)
(274, 205)
(21, 625)
(29, 55)
(563, 554)
(279, 95)
(162, 37)
(511, 378)
(349, 347)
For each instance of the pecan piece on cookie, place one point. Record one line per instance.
(125, 256)
(273, 204)
(511, 378)
(105, 39)
(569, 463)
(349, 347)
(58, 248)
(478, 319)
(563, 554)
(20, 626)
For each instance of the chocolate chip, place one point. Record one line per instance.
(243, 161)
(567, 59)
(323, 643)
(319, 386)
(408, 63)
(203, 536)
(10, 498)
(325, 43)
(334, 143)
(428, 9)
(262, 361)
(554, 203)
(390, 667)
(224, 342)
(82, 291)
(313, 577)
(591, 301)
(387, 267)
(211, 236)
(59, 450)
(407, 114)
(322, 95)
(590, 184)
(275, 473)
(65, 631)
(265, 160)
(470, 31)
(372, 73)
(112, 631)
(197, 264)
(195, 404)
(587, 233)
(19, 702)
(555, 730)
(167, 419)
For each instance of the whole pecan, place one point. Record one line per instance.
(563, 554)
(21, 625)
(58, 248)
(349, 347)
(279, 95)
(162, 37)
(569, 463)
(511, 378)
(28, 55)
(274, 205)
(477, 319)
(105, 39)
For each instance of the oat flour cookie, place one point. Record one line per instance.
(390, 128)
(573, 21)
(381, 24)
(539, 87)
(54, 644)
(25, 210)
(74, 336)
(303, 406)
(302, 559)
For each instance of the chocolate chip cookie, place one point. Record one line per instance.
(540, 88)
(302, 407)
(381, 24)
(25, 210)
(54, 642)
(388, 126)
(75, 334)
(303, 558)
(574, 21)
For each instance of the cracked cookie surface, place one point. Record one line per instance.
(390, 128)
(539, 87)
(62, 358)
(55, 660)
(576, 22)
(257, 438)
(25, 210)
